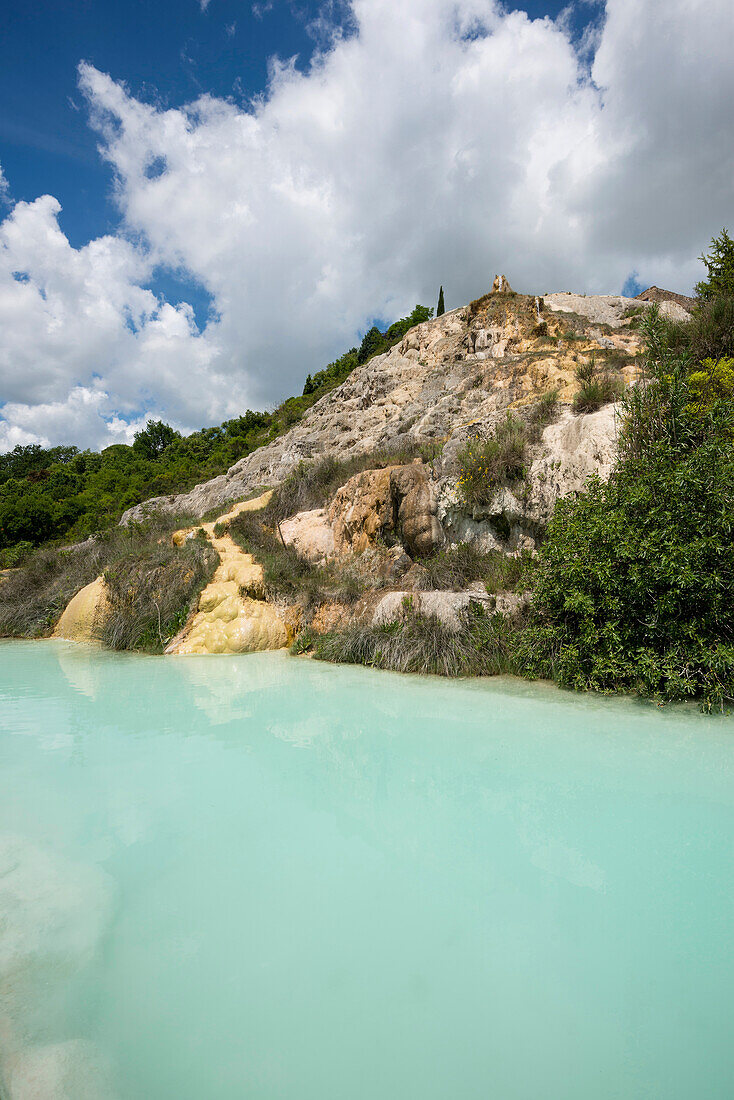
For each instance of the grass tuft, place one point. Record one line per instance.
(422, 643)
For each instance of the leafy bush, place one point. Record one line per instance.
(597, 387)
(15, 555)
(710, 332)
(544, 411)
(711, 383)
(490, 461)
(634, 580)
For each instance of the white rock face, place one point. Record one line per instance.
(574, 448)
(444, 605)
(310, 533)
(447, 375)
(605, 309)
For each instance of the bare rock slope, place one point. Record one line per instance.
(448, 377)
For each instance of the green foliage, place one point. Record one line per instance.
(60, 493)
(597, 387)
(633, 584)
(372, 344)
(544, 411)
(440, 308)
(152, 441)
(710, 332)
(710, 384)
(376, 342)
(719, 264)
(486, 462)
(15, 555)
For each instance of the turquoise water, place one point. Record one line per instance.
(268, 878)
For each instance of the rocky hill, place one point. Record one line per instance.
(454, 377)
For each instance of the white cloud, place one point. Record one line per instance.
(439, 141)
(4, 188)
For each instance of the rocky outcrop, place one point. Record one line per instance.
(395, 503)
(657, 294)
(570, 451)
(84, 616)
(232, 615)
(464, 368)
(447, 606)
(310, 534)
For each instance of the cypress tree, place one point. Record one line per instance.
(440, 307)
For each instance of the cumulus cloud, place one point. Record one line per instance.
(427, 142)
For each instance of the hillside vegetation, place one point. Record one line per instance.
(64, 494)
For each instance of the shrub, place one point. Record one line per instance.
(544, 411)
(490, 461)
(634, 580)
(153, 591)
(15, 555)
(711, 383)
(464, 564)
(33, 596)
(710, 332)
(719, 264)
(596, 387)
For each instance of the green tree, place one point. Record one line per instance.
(440, 308)
(719, 265)
(372, 344)
(155, 437)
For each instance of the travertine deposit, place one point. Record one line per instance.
(84, 615)
(447, 376)
(232, 615)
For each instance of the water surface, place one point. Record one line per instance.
(267, 878)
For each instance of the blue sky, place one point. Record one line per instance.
(166, 51)
(586, 147)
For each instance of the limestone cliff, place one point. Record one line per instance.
(447, 377)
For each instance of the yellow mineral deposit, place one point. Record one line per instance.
(232, 615)
(85, 613)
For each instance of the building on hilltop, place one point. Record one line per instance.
(655, 294)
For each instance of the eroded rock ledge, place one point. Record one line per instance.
(448, 375)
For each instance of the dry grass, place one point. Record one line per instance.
(153, 591)
(465, 564)
(313, 484)
(33, 596)
(483, 646)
